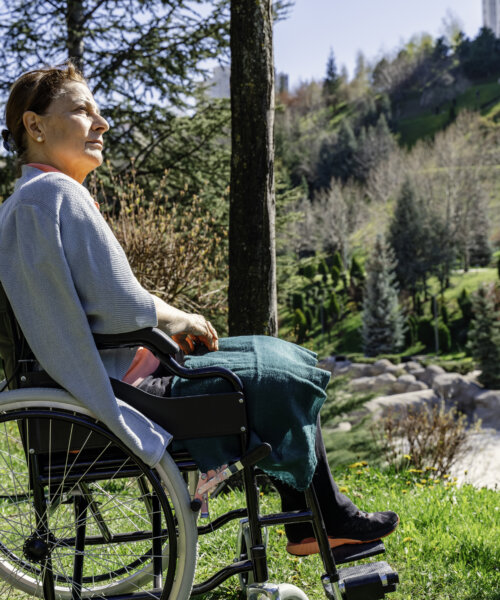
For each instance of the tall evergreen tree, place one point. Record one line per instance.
(331, 82)
(407, 239)
(484, 335)
(383, 322)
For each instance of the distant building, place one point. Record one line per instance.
(218, 85)
(491, 15)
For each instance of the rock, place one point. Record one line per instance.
(381, 366)
(429, 374)
(359, 370)
(384, 381)
(381, 405)
(380, 383)
(342, 367)
(448, 385)
(417, 386)
(328, 364)
(487, 404)
(411, 366)
(344, 426)
(418, 373)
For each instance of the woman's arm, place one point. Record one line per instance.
(185, 328)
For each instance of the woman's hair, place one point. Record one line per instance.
(34, 91)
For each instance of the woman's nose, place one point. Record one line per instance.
(101, 123)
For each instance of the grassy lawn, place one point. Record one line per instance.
(446, 547)
(426, 123)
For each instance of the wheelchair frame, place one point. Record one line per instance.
(38, 403)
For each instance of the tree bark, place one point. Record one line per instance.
(75, 42)
(252, 255)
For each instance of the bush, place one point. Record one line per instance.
(426, 334)
(298, 300)
(465, 304)
(300, 325)
(432, 437)
(444, 337)
(176, 252)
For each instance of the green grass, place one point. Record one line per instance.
(446, 547)
(425, 123)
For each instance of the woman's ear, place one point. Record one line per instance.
(32, 124)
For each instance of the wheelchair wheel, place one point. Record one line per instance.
(81, 516)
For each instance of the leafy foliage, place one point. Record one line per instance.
(179, 255)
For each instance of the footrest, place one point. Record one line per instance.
(355, 552)
(367, 582)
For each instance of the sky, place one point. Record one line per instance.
(302, 42)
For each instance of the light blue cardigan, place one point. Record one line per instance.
(67, 276)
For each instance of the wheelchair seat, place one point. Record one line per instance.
(82, 517)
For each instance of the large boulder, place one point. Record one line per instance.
(401, 402)
(408, 383)
(487, 404)
(380, 383)
(448, 385)
(382, 365)
(412, 365)
(429, 374)
(359, 370)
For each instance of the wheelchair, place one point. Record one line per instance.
(81, 517)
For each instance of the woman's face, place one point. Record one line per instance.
(69, 135)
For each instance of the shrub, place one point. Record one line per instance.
(300, 325)
(444, 337)
(177, 253)
(465, 304)
(433, 437)
(298, 300)
(338, 262)
(426, 333)
(335, 273)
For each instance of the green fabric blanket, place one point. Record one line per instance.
(284, 390)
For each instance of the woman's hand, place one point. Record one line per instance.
(186, 329)
(199, 330)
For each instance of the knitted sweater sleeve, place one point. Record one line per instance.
(110, 294)
(63, 279)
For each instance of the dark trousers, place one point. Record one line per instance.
(335, 507)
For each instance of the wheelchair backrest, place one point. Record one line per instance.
(13, 346)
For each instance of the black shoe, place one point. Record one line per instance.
(357, 529)
(367, 527)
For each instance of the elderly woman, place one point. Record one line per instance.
(67, 277)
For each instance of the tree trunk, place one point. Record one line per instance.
(74, 20)
(252, 257)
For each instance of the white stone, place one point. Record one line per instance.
(448, 385)
(487, 405)
(429, 374)
(344, 426)
(381, 366)
(412, 365)
(359, 370)
(382, 404)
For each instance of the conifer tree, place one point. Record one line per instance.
(406, 237)
(383, 323)
(331, 82)
(484, 335)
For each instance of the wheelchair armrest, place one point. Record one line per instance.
(151, 337)
(164, 348)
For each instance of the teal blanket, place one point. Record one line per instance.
(284, 391)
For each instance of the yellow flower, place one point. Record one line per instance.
(356, 465)
(404, 491)
(407, 456)
(446, 476)
(280, 531)
(409, 482)
(419, 485)
(407, 539)
(344, 490)
(415, 471)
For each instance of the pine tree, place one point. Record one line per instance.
(331, 82)
(484, 336)
(406, 237)
(383, 323)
